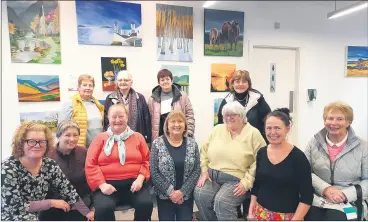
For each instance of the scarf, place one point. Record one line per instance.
(132, 107)
(121, 145)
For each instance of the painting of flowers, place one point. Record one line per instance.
(110, 67)
(180, 75)
(357, 61)
(34, 31)
(38, 88)
(221, 77)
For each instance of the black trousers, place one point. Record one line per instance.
(55, 214)
(105, 204)
(316, 213)
(169, 211)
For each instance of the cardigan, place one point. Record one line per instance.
(163, 168)
(100, 168)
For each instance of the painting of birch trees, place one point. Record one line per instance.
(174, 33)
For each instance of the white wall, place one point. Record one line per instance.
(303, 24)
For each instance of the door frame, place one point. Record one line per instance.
(296, 95)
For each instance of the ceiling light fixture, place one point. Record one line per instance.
(347, 10)
(208, 4)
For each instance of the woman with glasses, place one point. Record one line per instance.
(228, 163)
(27, 175)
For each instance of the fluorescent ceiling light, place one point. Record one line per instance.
(347, 10)
(208, 4)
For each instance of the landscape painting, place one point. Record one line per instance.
(174, 33)
(216, 106)
(109, 23)
(221, 77)
(357, 61)
(38, 88)
(34, 31)
(48, 118)
(223, 33)
(180, 75)
(110, 67)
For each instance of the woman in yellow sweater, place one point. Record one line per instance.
(228, 165)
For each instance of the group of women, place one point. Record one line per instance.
(131, 145)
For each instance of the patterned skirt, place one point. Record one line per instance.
(261, 213)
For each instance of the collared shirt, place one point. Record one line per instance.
(335, 149)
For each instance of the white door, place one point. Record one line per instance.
(284, 59)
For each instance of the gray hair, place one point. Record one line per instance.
(235, 107)
(65, 125)
(124, 74)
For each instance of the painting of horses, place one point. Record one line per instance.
(221, 75)
(34, 31)
(357, 61)
(180, 75)
(223, 33)
(174, 33)
(38, 88)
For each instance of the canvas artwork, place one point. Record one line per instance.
(110, 67)
(180, 75)
(109, 23)
(48, 118)
(216, 106)
(221, 77)
(102, 101)
(357, 61)
(223, 33)
(174, 33)
(38, 88)
(34, 31)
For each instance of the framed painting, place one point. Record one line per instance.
(38, 88)
(216, 106)
(221, 75)
(110, 67)
(180, 75)
(48, 118)
(357, 61)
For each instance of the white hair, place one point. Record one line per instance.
(236, 108)
(124, 74)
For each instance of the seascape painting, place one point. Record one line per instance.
(357, 61)
(174, 33)
(221, 75)
(34, 31)
(38, 88)
(223, 33)
(111, 23)
(180, 75)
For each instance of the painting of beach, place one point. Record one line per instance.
(221, 77)
(38, 88)
(357, 61)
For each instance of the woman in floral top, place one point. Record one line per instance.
(27, 176)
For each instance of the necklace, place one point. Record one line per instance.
(241, 100)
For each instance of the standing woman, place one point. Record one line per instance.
(175, 169)
(283, 188)
(253, 101)
(166, 97)
(85, 110)
(139, 119)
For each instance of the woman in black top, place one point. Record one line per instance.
(283, 185)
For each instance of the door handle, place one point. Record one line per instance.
(291, 101)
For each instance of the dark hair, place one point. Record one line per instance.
(283, 114)
(163, 73)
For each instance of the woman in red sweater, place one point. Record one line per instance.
(117, 167)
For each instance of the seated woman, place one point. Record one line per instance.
(283, 188)
(228, 165)
(27, 175)
(71, 159)
(339, 160)
(175, 169)
(117, 165)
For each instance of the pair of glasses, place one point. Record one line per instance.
(32, 143)
(232, 116)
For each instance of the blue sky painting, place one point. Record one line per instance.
(216, 18)
(357, 52)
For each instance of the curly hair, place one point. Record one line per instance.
(21, 134)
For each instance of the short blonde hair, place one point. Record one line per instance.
(118, 105)
(341, 106)
(65, 125)
(235, 107)
(243, 75)
(86, 77)
(21, 134)
(173, 114)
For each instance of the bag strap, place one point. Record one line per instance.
(359, 201)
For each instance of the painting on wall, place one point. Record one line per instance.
(174, 33)
(223, 33)
(102, 101)
(109, 23)
(221, 77)
(180, 75)
(38, 88)
(34, 31)
(216, 106)
(110, 67)
(357, 61)
(48, 118)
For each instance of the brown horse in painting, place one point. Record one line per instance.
(214, 37)
(230, 33)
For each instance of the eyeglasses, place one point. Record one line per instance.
(232, 116)
(32, 143)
